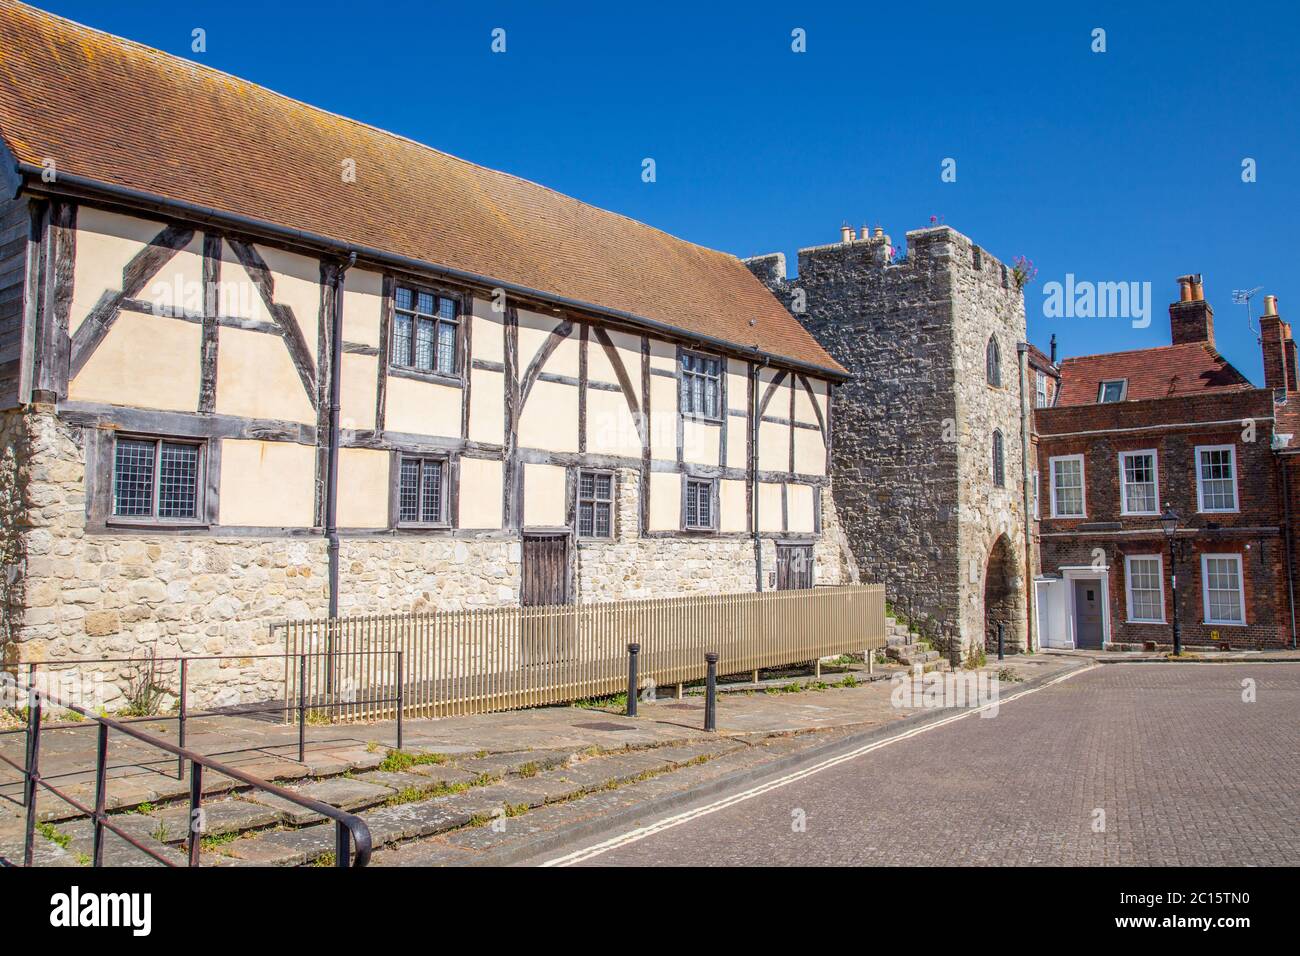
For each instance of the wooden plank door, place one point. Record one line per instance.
(794, 567)
(546, 635)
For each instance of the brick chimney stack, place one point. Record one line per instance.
(1278, 347)
(1190, 318)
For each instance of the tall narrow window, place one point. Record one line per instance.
(699, 510)
(1138, 485)
(1216, 478)
(421, 492)
(424, 331)
(1067, 487)
(701, 386)
(999, 461)
(1221, 585)
(1040, 390)
(156, 479)
(993, 363)
(595, 504)
(1145, 579)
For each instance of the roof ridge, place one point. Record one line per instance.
(205, 68)
(1151, 348)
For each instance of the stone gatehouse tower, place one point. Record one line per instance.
(929, 434)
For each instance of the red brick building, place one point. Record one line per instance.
(1131, 434)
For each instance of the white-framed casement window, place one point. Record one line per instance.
(422, 492)
(1216, 478)
(158, 481)
(1113, 390)
(1139, 482)
(699, 510)
(1144, 584)
(595, 504)
(1221, 588)
(1040, 390)
(1067, 486)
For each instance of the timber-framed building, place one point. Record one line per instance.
(259, 361)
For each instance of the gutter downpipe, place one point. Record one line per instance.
(173, 207)
(753, 476)
(1022, 354)
(332, 484)
(1284, 464)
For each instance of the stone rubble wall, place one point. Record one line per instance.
(69, 594)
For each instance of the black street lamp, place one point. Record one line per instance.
(1170, 521)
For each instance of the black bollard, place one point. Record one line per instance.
(633, 650)
(711, 692)
(1001, 651)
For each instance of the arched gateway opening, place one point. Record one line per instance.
(1004, 601)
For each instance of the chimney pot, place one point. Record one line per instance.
(846, 233)
(1270, 305)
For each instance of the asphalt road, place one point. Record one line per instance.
(1159, 764)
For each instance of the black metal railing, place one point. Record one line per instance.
(351, 831)
(294, 709)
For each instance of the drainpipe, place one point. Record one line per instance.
(1022, 356)
(1284, 464)
(753, 477)
(332, 485)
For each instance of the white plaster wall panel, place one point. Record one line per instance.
(737, 385)
(701, 443)
(611, 429)
(144, 361)
(800, 502)
(731, 506)
(564, 360)
(663, 355)
(487, 406)
(267, 484)
(737, 442)
(237, 295)
(489, 335)
(422, 408)
(773, 446)
(534, 329)
(550, 418)
(544, 496)
(363, 306)
(663, 418)
(809, 452)
(357, 378)
(803, 405)
(665, 501)
(480, 494)
(363, 487)
(107, 242)
(257, 379)
(297, 285)
(769, 506)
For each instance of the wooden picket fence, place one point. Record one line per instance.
(449, 663)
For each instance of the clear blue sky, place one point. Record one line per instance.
(1118, 166)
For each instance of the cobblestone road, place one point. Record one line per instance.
(1186, 772)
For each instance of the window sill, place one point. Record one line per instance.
(1224, 624)
(421, 375)
(701, 419)
(1156, 623)
(421, 526)
(156, 525)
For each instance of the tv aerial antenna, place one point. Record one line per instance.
(1243, 297)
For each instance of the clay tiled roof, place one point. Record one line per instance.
(125, 115)
(1163, 372)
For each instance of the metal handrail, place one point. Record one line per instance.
(350, 830)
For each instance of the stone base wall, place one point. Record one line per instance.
(69, 594)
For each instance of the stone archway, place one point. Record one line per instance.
(1004, 599)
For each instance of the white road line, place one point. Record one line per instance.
(633, 836)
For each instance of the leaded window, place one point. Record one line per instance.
(157, 479)
(993, 363)
(425, 327)
(421, 493)
(595, 504)
(701, 386)
(999, 461)
(699, 513)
